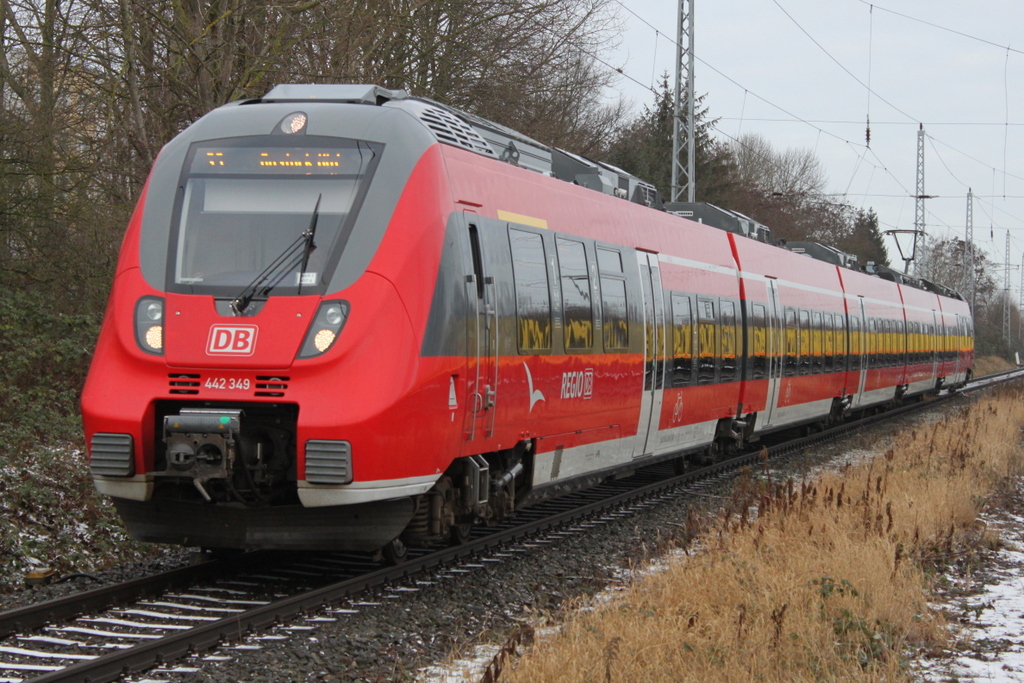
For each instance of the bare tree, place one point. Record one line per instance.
(92, 89)
(792, 172)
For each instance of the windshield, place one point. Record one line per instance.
(246, 200)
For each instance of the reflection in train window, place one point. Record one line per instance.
(609, 261)
(758, 342)
(816, 338)
(576, 304)
(707, 346)
(729, 341)
(873, 346)
(839, 339)
(682, 341)
(887, 354)
(856, 343)
(533, 301)
(613, 299)
(828, 341)
(792, 365)
(805, 342)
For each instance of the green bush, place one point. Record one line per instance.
(44, 357)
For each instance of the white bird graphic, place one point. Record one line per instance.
(535, 394)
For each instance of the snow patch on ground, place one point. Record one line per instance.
(995, 619)
(470, 668)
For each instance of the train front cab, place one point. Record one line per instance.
(305, 411)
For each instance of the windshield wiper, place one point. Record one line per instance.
(310, 244)
(294, 254)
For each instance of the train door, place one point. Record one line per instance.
(957, 345)
(863, 346)
(482, 322)
(654, 354)
(774, 334)
(932, 343)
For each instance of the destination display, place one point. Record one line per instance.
(277, 160)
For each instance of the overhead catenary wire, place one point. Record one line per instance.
(824, 126)
(793, 117)
(811, 122)
(1006, 100)
(840, 64)
(927, 124)
(943, 28)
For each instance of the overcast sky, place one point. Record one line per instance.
(963, 90)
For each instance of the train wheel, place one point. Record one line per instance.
(460, 533)
(395, 552)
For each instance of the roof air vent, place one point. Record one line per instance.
(449, 128)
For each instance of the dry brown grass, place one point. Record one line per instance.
(986, 365)
(805, 581)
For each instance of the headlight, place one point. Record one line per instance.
(327, 324)
(149, 324)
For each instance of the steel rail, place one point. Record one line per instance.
(68, 607)
(146, 655)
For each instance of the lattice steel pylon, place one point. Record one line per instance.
(1006, 293)
(1020, 304)
(969, 285)
(683, 132)
(918, 230)
(919, 205)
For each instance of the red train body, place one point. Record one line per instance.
(343, 316)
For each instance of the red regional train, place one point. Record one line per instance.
(347, 318)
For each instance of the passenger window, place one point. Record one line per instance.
(792, 344)
(805, 343)
(839, 340)
(896, 333)
(873, 343)
(533, 301)
(613, 300)
(816, 359)
(758, 342)
(707, 346)
(887, 343)
(576, 303)
(856, 344)
(682, 341)
(609, 261)
(828, 341)
(729, 339)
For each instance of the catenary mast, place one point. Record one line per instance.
(1006, 292)
(969, 285)
(683, 137)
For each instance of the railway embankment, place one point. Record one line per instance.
(53, 522)
(844, 575)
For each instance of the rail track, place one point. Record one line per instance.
(102, 634)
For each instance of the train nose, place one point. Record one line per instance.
(202, 332)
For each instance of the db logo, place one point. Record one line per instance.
(237, 340)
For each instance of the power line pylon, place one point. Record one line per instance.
(683, 135)
(969, 283)
(1006, 293)
(1020, 305)
(918, 231)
